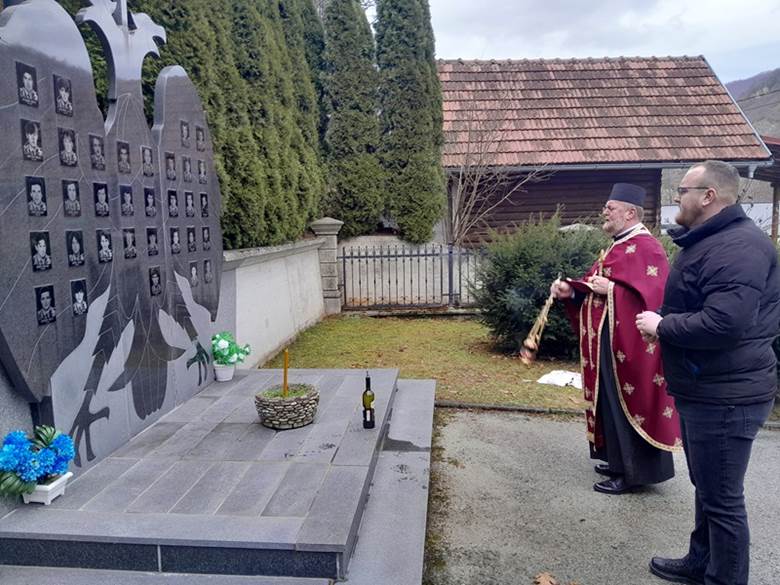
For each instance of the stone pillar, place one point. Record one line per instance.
(328, 229)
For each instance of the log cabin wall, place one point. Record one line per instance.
(580, 195)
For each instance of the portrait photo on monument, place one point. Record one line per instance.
(192, 245)
(204, 204)
(200, 139)
(74, 244)
(100, 193)
(173, 203)
(175, 241)
(67, 141)
(184, 130)
(123, 157)
(170, 166)
(27, 84)
(152, 242)
(63, 103)
(186, 164)
(194, 279)
(45, 307)
(104, 245)
(208, 276)
(202, 172)
(155, 281)
(189, 204)
(128, 236)
(40, 251)
(126, 196)
(147, 164)
(206, 238)
(36, 196)
(71, 198)
(31, 140)
(78, 297)
(97, 152)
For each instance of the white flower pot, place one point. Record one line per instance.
(45, 493)
(224, 373)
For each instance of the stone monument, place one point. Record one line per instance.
(104, 320)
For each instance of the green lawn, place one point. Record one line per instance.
(456, 352)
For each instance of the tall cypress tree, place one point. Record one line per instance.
(411, 115)
(355, 175)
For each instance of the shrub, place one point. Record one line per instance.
(516, 278)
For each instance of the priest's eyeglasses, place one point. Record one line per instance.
(683, 190)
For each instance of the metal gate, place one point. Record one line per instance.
(398, 276)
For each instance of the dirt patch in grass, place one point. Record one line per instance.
(775, 414)
(456, 352)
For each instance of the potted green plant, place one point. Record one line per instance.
(35, 467)
(227, 353)
(287, 406)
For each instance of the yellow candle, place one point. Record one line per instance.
(286, 365)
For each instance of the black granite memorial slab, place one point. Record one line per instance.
(87, 274)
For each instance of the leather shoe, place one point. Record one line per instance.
(614, 486)
(603, 469)
(676, 570)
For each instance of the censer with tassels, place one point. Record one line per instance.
(531, 343)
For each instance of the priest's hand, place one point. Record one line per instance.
(599, 284)
(647, 323)
(560, 289)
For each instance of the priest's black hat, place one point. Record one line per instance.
(633, 194)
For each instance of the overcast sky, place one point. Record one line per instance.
(739, 38)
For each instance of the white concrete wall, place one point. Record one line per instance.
(276, 292)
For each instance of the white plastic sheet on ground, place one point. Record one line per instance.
(562, 378)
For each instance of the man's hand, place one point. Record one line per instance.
(647, 323)
(599, 284)
(560, 289)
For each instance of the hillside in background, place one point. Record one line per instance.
(759, 98)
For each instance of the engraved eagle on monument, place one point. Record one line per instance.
(111, 242)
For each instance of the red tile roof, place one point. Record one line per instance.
(591, 112)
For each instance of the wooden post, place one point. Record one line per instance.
(775, 211)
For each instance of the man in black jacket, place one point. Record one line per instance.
(720, 315)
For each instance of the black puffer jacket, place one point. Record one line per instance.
(721, 312)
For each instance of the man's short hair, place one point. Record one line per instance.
(723, 177)
(640, 211)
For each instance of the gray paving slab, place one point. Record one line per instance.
(190, 410)
(169, 488)
(209, 492)
(250, 445)
(297, 490)
(126, 488)
(183, 440)
(252, 494)
(334, 511)
(87, 485)
(168, 529)
(412, 419)
(54, 576)
(149, 439)
(284, 445)
(391, 539)
(218, 442)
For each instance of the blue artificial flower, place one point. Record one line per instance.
(16, 438)
(63, 446)
(59, 466)
(28, 468)
(8, 458)
(46, 458)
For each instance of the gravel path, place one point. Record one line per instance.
(515, 498)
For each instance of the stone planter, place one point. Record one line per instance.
(287, 413)
(45, 493)
(224, 373)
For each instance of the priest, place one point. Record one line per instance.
(632, 423)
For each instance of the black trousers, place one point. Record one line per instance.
(718, 441)
(624, 450)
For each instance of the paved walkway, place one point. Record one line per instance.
(520, 502)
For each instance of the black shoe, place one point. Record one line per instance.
(675, 570)
(614, 486)
(603, 469)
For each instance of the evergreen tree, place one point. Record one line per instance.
(355, 175)
(314, 38)
(411, 115)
